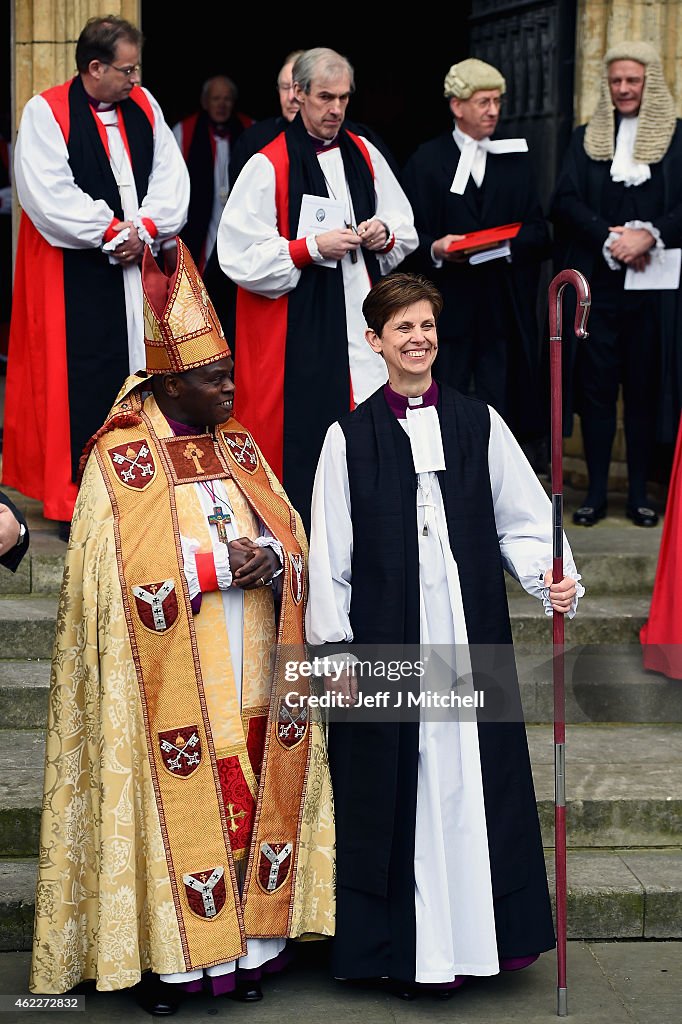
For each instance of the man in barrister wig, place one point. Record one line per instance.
(469, 179)
(186, 812)
(617, 212)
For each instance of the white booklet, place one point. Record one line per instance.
(490, 254)
(319, 213)
(661, 272)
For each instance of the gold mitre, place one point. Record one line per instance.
(181, 327)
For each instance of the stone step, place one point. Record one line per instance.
(623, 784)
(27, 622)
(41, 569)
(600, 619)
(24, 687)
(27, 626)
(630, 894)
(621, 894)
(614, 557)
(602, 684)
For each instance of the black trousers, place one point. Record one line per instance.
(623, 350)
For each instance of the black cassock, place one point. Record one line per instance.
(374, 764)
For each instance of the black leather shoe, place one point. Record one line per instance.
(248, 992)
(588, 515)
(158, 997)
(642, 515)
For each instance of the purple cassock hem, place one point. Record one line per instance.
(509, 963)
(192, 986)
(517, 963)
(274, 966)
(223, 984)
(226, 983)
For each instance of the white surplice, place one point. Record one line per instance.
(255, 255)
(70, 218)
(453, 893)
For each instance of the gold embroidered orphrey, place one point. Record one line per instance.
(159, 671)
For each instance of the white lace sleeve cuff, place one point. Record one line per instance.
(272, 542)
(547, 605)
(153, 243)
(311, 242)
(648, 226)
(189, 564)
(436, 262)
(606, 251)
(113, 244)
(223, 572)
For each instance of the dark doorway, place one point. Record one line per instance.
(400, 62)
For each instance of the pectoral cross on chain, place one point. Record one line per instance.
(218, 519)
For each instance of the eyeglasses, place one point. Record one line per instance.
(494, 102)
(131, 69)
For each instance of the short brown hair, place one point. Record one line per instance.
(99, 39)
(397, 291)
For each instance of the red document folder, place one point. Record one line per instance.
(477, 240)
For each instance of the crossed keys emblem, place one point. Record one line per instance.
(242, 450)
(292, 723)
(181, 750)
(133, 463)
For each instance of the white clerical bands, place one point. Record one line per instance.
(468, 154)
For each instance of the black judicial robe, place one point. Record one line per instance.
(579, 210)
(508, 194)
(374, 764)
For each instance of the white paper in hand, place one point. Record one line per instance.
(318, 214)
(662, 273)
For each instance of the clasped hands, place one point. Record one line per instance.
(335, 244)
(130, 251)
(632, 246)
(252, 565)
